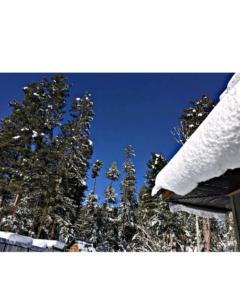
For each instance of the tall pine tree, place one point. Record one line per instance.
(128, 199)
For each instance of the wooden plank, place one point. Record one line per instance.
(235, 202)
(206, 234)
(234, 193)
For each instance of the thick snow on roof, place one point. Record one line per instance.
(48, 244)
(211, 150)
(14, 237)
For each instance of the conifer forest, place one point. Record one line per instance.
(45, 168)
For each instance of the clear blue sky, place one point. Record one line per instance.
(139, 109)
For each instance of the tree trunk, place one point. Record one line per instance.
(17, 199)
(41, 222)
(1, 204)
(206, 234)
(197, 234)
(16, 202)
(39, 231)
(94, 186)
(53, 229)
(170, 242)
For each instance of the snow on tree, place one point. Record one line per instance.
(90, 218)
(110, 195)
(110, 213)
(192, 117)
(76, 150)
(112, 174)
(157, 229)
(129, 181)
(96, 168)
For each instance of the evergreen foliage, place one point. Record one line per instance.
(128, 200)
(192, 117)
(45, 177)
(110, 211)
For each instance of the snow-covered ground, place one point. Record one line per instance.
(211, 150)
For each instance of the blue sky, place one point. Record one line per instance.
(130, 108)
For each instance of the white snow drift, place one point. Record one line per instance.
(211, 150)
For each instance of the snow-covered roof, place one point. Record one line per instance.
(212, 149)
(14, 237)
(28, 242)
(85, 247)
(48, 244)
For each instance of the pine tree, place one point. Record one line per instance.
(90, 222)
(148, 206)
(128, 199)
(27, 134)
(192, 117)
(110, 212)
(76, 152)
(44, 162)
(50, 97)
(148, 210)
(148, 203)
(129, 182)
(157, 228)
(97, 166)
(113, 175)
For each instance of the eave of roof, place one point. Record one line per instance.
(212, 194)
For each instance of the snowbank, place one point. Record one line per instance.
(211, 150)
